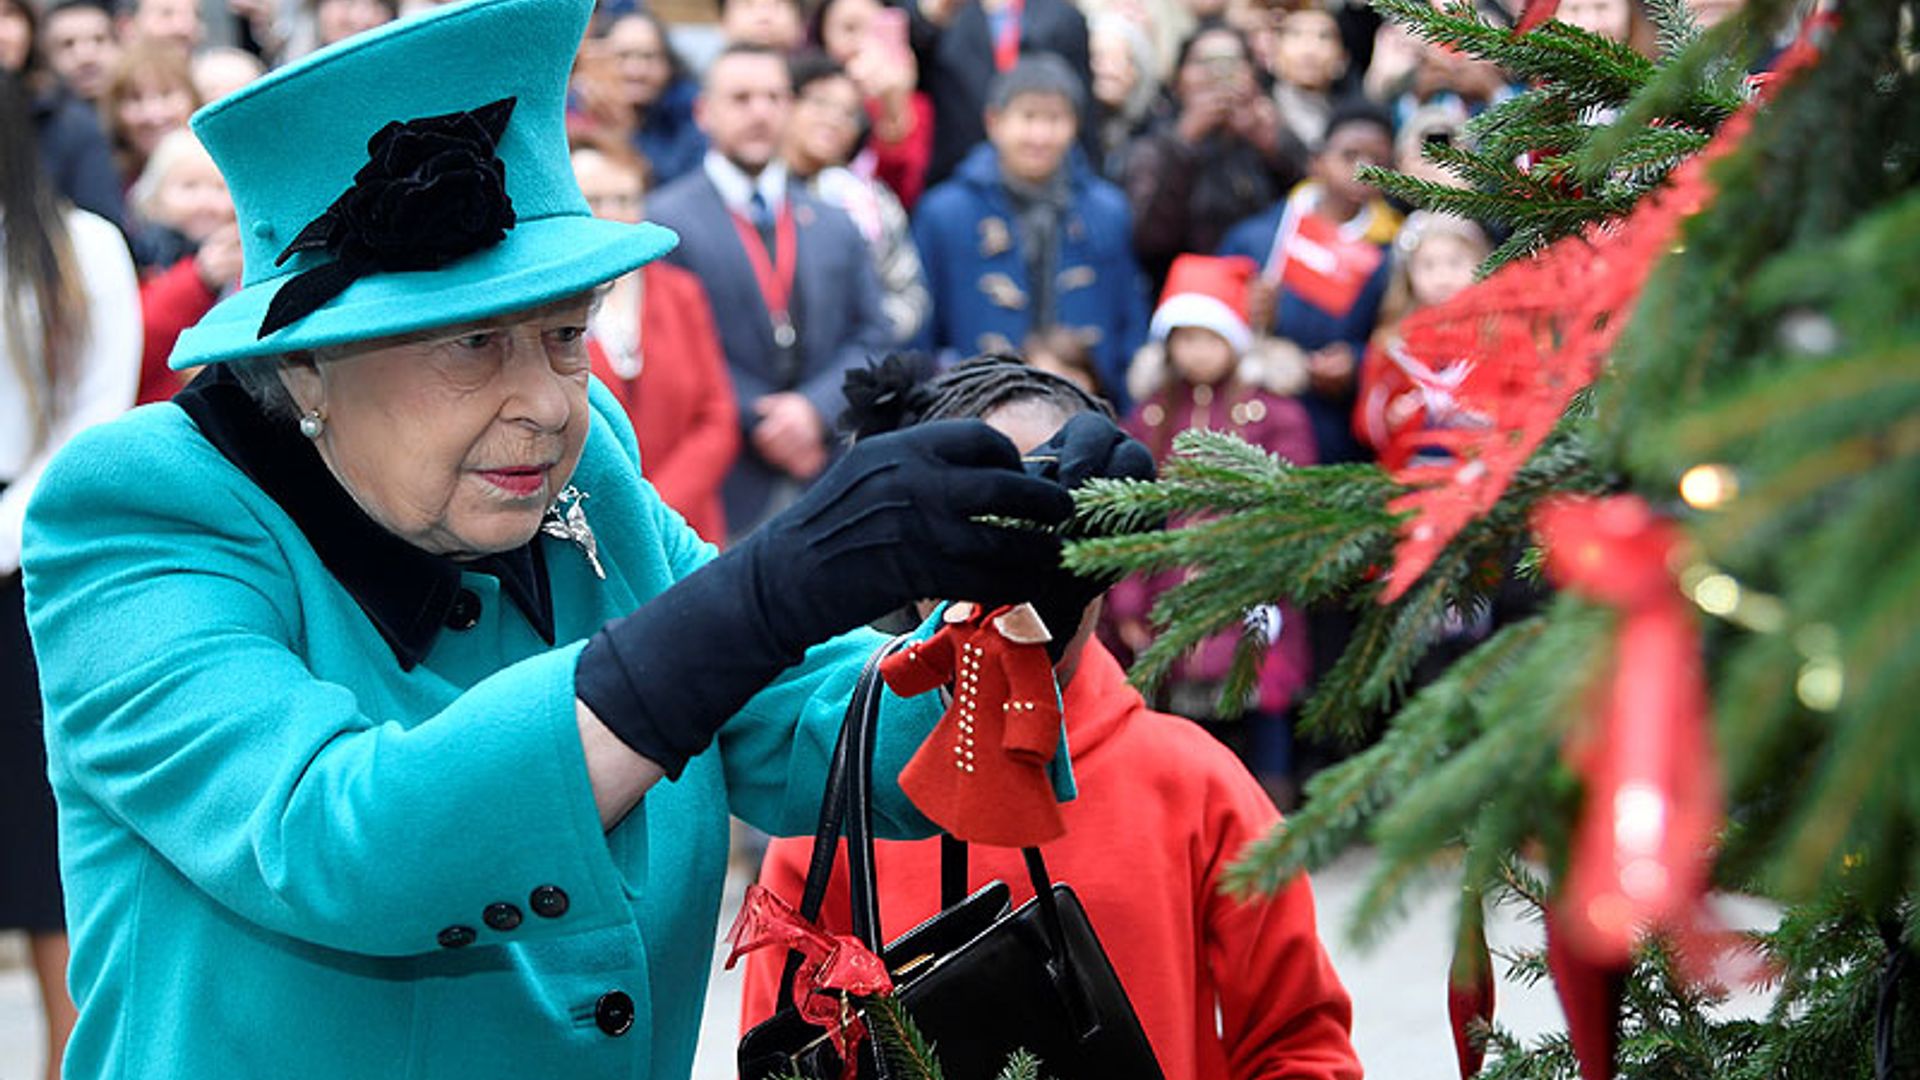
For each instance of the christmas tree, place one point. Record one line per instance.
(1691, 415)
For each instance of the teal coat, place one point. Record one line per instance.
(266, 823)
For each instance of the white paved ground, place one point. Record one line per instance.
(1398, 988)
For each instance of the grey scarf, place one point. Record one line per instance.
(1038, 211)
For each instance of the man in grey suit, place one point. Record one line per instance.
(791, 281)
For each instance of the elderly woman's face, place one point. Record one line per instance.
(457, 441)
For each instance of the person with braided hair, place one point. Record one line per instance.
(1223, 987)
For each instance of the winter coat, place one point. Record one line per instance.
(76, 156)
(970, 248)
(291, 853)
(1276, 424)
(981, 776)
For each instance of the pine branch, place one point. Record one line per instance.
(897, 1036)
(1342, 801)
(1645, 157)
(1674, 26)
(1502, 130)
(1495, 788)
(1021, 1066)
(1597, 72)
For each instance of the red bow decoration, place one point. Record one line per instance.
(833, 967)
(1643, 848)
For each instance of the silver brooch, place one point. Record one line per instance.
(566, 519)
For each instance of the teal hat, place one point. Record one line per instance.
(410, 177)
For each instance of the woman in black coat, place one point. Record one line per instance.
(1222, 157)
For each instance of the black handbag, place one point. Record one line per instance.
(979, 980)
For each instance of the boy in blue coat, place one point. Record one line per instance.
(1026, 238)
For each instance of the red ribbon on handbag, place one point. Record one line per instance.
(832, 967)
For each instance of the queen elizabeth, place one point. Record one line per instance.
(393, 719)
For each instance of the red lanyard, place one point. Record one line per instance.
(776, 275)
(1006, 44)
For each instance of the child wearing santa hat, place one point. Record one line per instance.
(1205, 369)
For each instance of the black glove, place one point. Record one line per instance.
(1088, 446)
(890, 523)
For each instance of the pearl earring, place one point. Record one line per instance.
(312, 424)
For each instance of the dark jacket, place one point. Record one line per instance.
(671, 142)
(75, 154)
(836, 313)
(1185, 197)
(977, 273)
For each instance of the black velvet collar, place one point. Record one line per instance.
(406, 592)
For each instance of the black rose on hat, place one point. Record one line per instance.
(433, 190)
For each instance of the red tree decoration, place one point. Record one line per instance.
(1643, 848)
(1530, 336)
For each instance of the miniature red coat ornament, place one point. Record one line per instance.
(982, 774)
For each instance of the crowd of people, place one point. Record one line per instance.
(1155, 204)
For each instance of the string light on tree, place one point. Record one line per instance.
(1809, 333)
(1709, 487)
(1822, 680)
(1721, 595)
(1717, 594)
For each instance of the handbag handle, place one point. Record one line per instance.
(953, 889)
(863, 885)
(847, 809)
(855, 743)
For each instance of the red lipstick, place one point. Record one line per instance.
(519, 481)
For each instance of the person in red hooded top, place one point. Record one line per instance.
(653, 343)
(1224, 988)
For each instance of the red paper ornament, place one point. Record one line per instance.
(1528, 338)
